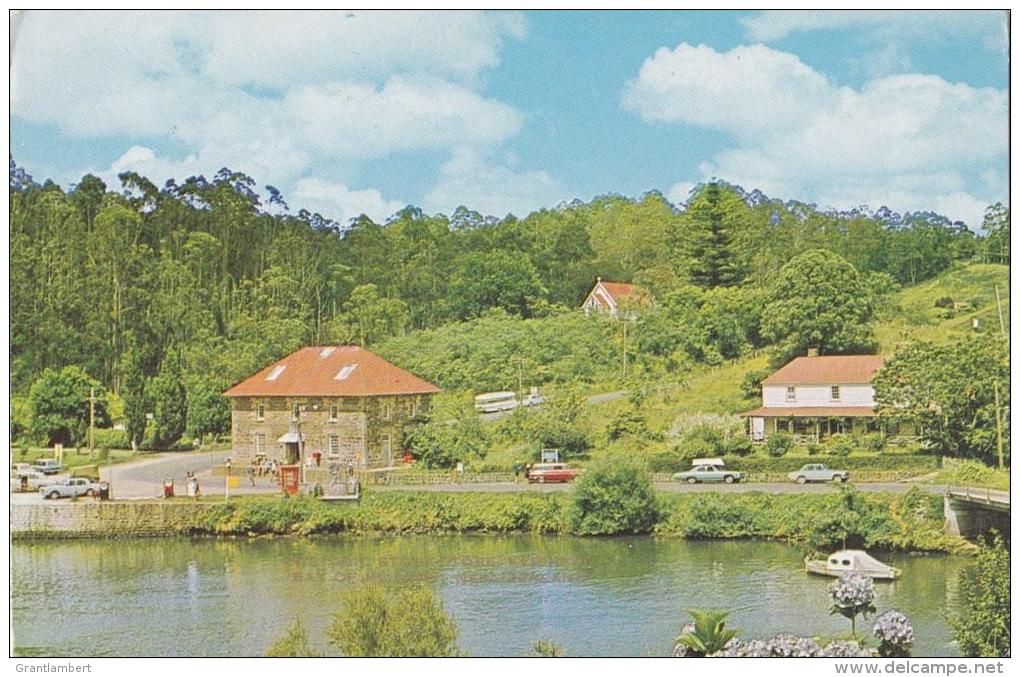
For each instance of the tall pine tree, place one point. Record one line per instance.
(706, 243)
(171, 402)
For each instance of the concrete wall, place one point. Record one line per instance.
(820, 396)
(90, 519)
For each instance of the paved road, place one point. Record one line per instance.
(144, 479)
(593, 399)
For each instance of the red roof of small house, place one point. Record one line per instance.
(331, 371)
(788, 412)
(615, 292)
(827, 369)
(619, 290)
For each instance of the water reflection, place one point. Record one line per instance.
(619, 596)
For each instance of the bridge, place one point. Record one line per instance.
(972, 512)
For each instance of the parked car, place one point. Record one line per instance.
(709, 473)
(48, 466)
(552, 472)
(818, 472)
(28, 480)
(72, 486)
(18, 468)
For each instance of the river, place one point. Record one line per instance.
(593, 597)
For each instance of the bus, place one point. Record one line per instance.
(492, 402)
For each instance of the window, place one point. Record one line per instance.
(387, 410)
(334, 412)
(334, 445)
(388, 449)
(834, 392)
(260, 443)
(295, 411)
(260, 412)
(791, 394)
(412, 407)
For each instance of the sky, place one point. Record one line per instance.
(351, 112)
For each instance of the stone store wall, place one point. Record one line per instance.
(91, 519)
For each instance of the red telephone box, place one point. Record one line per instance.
(290, 478)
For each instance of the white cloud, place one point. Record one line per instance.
(491, 188)
(679, 192)
(278, 95)
(360, 121)
(774, 25)
(340, 203)
(906, 141)
(746, 91)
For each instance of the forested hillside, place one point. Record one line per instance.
(207, 279)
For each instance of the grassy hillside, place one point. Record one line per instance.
(968, 291)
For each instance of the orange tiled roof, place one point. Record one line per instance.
(788, 412)
(619, 290)
(827, 369)
(334, 371)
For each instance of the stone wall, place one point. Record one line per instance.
(91, 519)
(369, 430)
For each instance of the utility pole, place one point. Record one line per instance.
(998, 424)
(520, 380)
(625, 323)
(998, 304)
(92, 421)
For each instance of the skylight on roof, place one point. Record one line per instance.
(275, 373)
(345, 372)
(326, 352)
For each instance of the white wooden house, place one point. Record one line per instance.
(815, 397)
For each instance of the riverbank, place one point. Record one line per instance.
(910, 522)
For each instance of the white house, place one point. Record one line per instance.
(608, 296)
(818, 396)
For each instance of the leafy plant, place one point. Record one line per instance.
(982, 623)
(840, 444)
(547, 649)
(375, 622)
(613, 497)
(778, 444)
(292, 644)
(875, 442)
(708, 634)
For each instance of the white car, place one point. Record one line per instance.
(28, 480)
(72, 486)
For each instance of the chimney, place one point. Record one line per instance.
(812, 352)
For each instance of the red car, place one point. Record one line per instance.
(551, 472)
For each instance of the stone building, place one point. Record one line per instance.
(331, 404)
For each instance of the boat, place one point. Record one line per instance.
(855, 561)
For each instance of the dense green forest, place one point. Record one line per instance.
(199, 283)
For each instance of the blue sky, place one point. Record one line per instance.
(350, 112)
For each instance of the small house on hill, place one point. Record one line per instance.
(609, 296)
(332, 404)
(818, 396)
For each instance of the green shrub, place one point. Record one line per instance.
(701, 441)
(982, 624)
(612, 498)
(813, 448)
(108, 438)
(875, 442)
(292, 644)
(738, 445)
(840, 444)
(376, 622)
(778, 444)
(628, 422)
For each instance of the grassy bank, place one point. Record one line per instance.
(911, 521)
